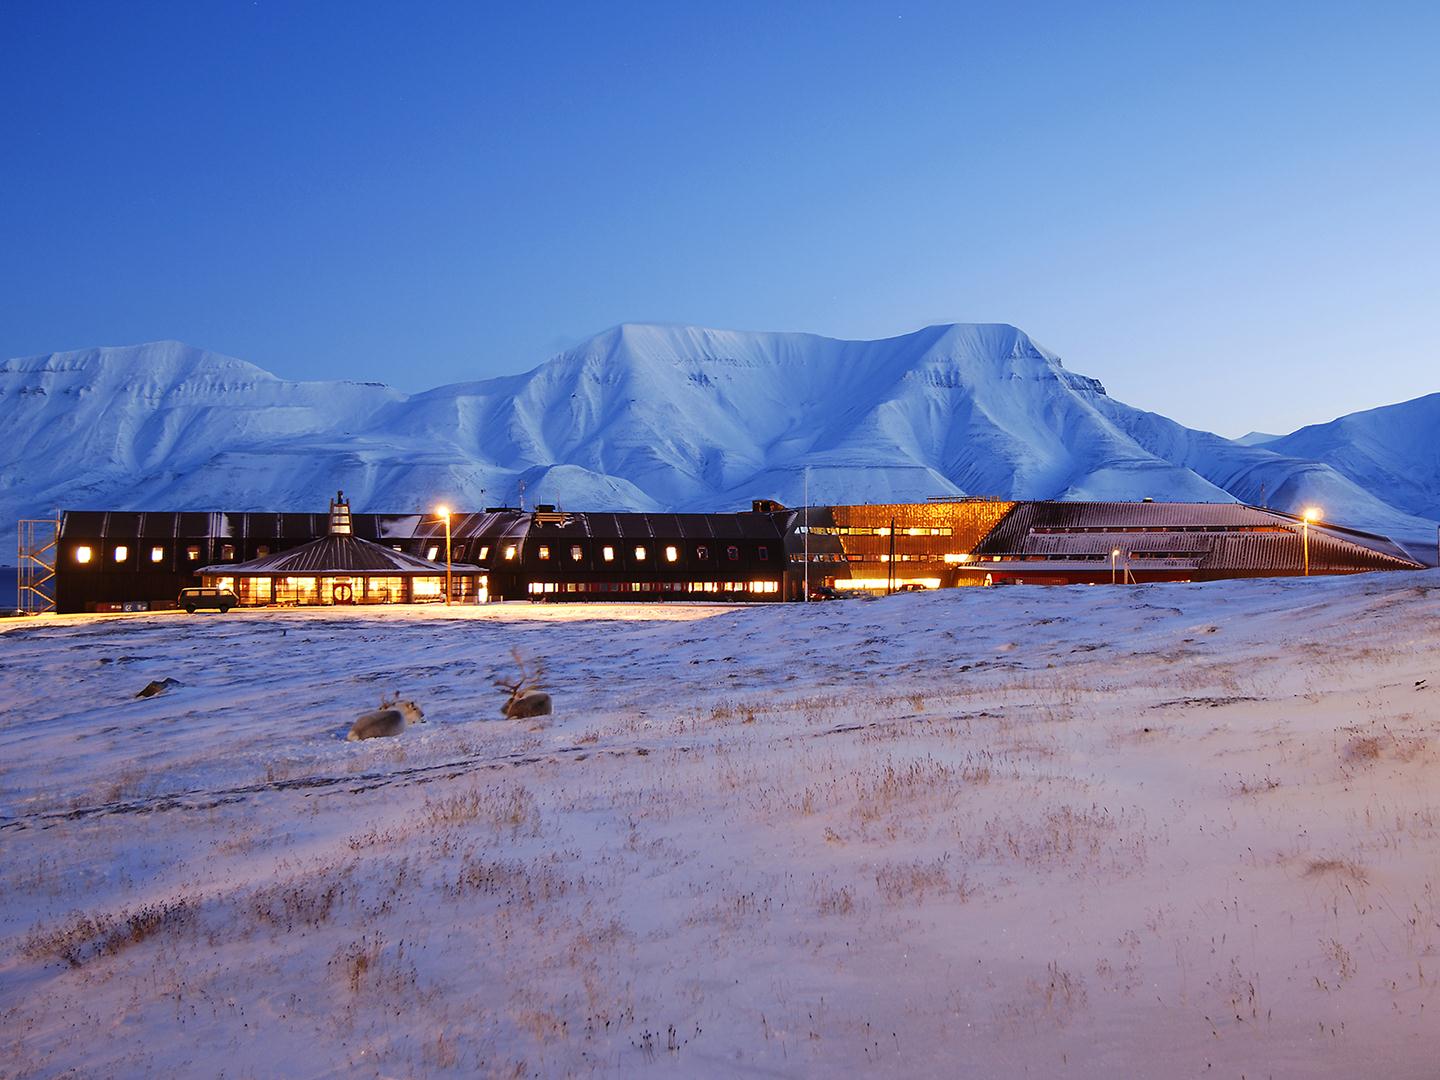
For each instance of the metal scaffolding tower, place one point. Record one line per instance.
(38, 551)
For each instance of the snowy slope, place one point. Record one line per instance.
(647, 417)
(1157, 831)
(1393, 449)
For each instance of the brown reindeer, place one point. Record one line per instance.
(526, 698)
(391, 718)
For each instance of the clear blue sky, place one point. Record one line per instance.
(1227, 212)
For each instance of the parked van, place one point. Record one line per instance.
(223, 599)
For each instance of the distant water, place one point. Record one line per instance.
(9, 587)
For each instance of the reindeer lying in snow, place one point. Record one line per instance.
(526, 697)
(393, 717)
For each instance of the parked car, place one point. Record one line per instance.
(911, 586)
(824, 592)
(193, 599)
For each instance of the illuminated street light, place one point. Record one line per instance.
(1114, 554)
(443, 512)
(1312, 513)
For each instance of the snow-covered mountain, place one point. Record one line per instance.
(649, 417)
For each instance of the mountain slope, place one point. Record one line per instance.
(648, 417)
(1392, 449)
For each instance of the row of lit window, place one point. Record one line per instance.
(670, 553)
(865, 530)
(541, 588)
(84, 553)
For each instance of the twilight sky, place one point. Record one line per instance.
(1226, 212)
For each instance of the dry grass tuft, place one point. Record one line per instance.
(900, 882)
(85, 937)
(1348, 869)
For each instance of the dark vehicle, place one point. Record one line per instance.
(824, 592)
(223, 599)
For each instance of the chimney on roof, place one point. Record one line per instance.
(339, 515)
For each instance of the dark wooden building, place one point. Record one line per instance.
(553, 555)
(113, 560)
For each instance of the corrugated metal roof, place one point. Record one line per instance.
(1224, 537)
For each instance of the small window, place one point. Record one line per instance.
(157, 554)
(227, 552)
(732, 553)
(639, 552)
(432, 551)
(763, 553)
(193, 553)
(262, 551)
(702, 553)
(608, 554)
(672, 554)
(510, 551)
(83, 553)
(484, 552)
(460, 553)
(576, 553)
(543, 551)
(121, 552)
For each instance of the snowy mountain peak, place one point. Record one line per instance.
(653, 416)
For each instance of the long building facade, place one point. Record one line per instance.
(117, 560)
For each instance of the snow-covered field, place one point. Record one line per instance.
(1159, 831)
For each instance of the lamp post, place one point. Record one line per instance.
(1312, 513)
(1114, 554)
(443, 512)
(806, 598)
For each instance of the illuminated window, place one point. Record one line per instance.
(702, 553)
(227, 551)
(193, 553)
(608, 554)
(157, 554)
(543, 551)
(672, 554)
(121, 552)
(639, 552)
(262, 551)
(510, 551)
(485, 552)
(82, 553)
(432, 551)
(576, 553)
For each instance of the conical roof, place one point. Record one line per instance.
(337, 555)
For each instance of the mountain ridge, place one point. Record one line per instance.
(650, 416)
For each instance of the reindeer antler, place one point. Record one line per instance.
(530, 674)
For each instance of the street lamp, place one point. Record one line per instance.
(1312, 513)
(443, 512)
(1114, 554)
